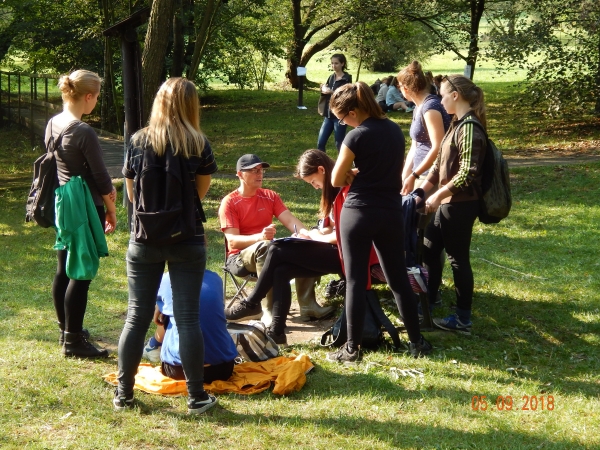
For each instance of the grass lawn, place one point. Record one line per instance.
(536, 334)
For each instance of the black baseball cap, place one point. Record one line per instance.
(250, 161)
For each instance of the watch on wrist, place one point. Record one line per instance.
(418, 177)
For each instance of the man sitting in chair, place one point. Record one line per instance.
(246, 217)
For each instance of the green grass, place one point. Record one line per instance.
(536, 314)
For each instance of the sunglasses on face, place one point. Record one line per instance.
(255, 171)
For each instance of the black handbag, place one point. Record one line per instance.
(372, 338)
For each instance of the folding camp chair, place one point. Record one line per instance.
(239, 283)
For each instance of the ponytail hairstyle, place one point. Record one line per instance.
(413, 78)
(353, 96)
(341, 58)
(470, 92)
(308, 164)
(78, 84)
(175, 120)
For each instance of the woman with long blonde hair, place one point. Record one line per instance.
(174, 127)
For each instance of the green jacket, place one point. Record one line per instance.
(78, 229)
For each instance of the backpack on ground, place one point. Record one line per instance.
(252, 342)
(165, 209)
(41, 198)
(495, 198)
(375, 319)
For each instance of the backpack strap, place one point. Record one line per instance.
(373, 303)
(464, 122)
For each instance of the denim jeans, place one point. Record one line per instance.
(329, 126)
(145, 267)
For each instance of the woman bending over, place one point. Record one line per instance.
(372, 213)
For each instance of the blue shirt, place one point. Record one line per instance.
(418, 129)
(393, 96)
(218, 344)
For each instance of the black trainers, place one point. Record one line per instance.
(199, 406)
(61, 336)
(421, 348)
(279, 339)
(335, 288)
(76, 344)
(243, 311)
(344, 355)
(122, 402)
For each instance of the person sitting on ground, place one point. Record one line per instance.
(219, 349)
(315, 256)
(383, 90)
(246, 216)
(394, 99)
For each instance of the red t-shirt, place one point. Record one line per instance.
(249, 214)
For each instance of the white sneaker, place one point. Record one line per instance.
(152, 354)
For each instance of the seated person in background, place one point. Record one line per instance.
(246, 216)
(219, 349)
(383, 90)
(394, 99)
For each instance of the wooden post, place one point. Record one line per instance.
(32, 132)
(19, 98)
(9, 97)
(46, 97)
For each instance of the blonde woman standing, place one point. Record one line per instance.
(79, 154)
(174, 127)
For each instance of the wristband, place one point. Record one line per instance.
(418, 177)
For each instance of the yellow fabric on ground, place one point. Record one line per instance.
(288, 373)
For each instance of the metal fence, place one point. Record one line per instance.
(29, 100)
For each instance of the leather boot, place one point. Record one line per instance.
(267, 309)
(309, 308)
(76, 344)
(61, 336)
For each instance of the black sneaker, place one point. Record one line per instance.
(344, 355)
(122, 402)
(279, 339)
(199, 406)
(421, 348)
(243, 311)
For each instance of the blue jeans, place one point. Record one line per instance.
(329, 126)
(145, 267)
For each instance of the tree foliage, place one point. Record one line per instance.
(558, 43)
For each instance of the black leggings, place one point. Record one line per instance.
(70, 296)
(384, 228)
(451, 229)
(286, 261)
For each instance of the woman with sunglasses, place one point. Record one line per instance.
(338, 78)
(372, 213)
(430, 123)
(457, 172)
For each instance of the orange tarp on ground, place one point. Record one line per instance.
(288, 373)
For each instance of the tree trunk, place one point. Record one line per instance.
(178, 40)
(597, 109)
(155, 49)
(203, 36)
(477, 8)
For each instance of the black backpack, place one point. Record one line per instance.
(41, 198)
(165, 209)
(372, 338)
(495, 199)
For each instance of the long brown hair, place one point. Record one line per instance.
(308, 164)
(175, 119)
(353, 96)
(468, 91)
